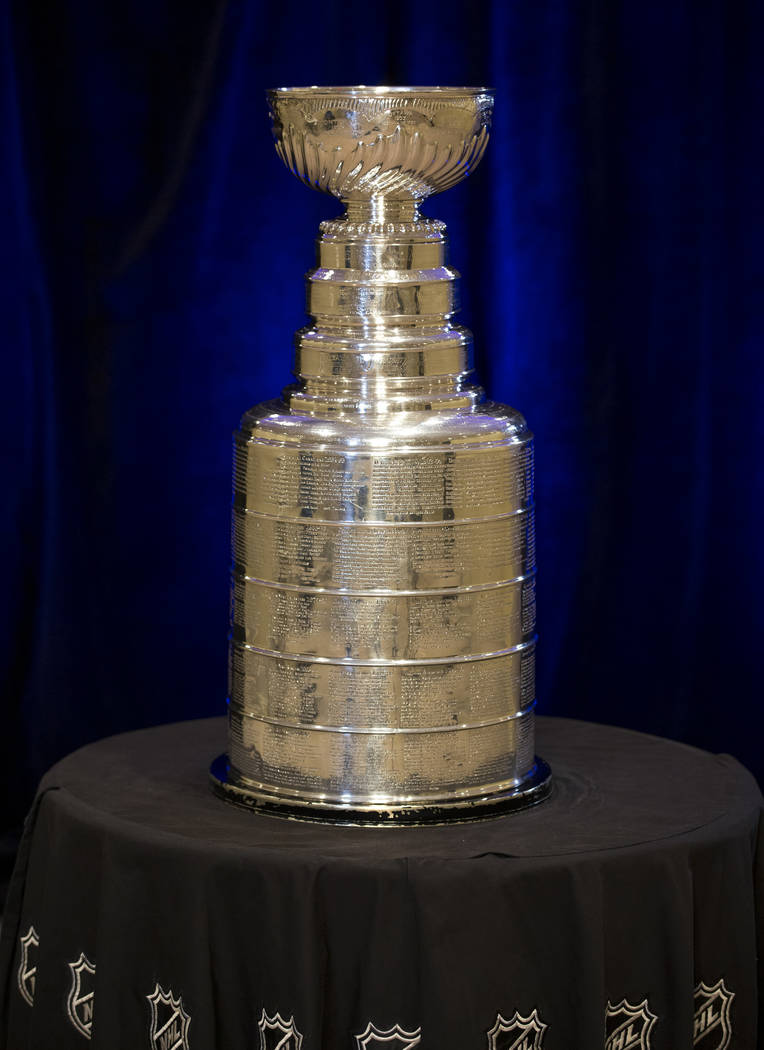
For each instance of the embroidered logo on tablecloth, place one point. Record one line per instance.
(628, 1027)
(27, 973)
(278, 1034)
(712, 1025)
(395, 1038)
(79, 1003)
(520, 1033)
(169, 1021)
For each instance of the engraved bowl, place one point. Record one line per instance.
(398, 143)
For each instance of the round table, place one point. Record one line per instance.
(146, 913)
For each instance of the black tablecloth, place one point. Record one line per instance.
(146, 913)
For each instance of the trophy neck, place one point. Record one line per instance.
(382, 299)
(381, 209)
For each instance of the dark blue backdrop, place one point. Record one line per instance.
(152, 267)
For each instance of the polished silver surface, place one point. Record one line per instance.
(392, 143)
(383, 592)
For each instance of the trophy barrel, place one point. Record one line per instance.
(383, 589)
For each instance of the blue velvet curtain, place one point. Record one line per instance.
(151, 275)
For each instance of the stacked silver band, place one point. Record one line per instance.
(383, 596)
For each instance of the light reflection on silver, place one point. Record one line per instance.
(383, 595)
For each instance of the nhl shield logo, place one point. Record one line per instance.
(79, 1003)
(712, 1027)
(521, 1033)
(27, 973)
(628, 1027)
(169, 1021)
(278, 1034)
(395, 1038)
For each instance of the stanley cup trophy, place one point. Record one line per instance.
(383, 602)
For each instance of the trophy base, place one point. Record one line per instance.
(257, 798)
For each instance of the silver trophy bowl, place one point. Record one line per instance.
(383, 581)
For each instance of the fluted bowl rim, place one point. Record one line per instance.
(378, 91)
